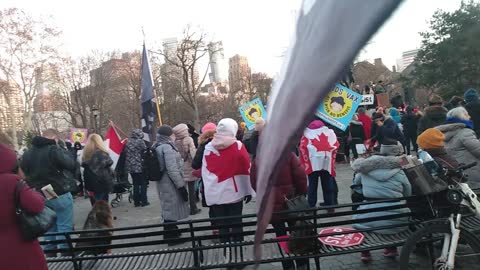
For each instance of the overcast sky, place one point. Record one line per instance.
(259, 29)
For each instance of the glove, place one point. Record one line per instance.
(183, 193)
(247, 199)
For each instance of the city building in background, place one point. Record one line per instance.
(12, 107)
(217, 62)
(407, 58)
(170, 46)
(239, 73)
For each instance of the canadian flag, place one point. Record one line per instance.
(114, 145)
(318, 148)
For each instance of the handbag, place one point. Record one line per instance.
(32, 225)
(297, 203)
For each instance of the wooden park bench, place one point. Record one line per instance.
(143, 247)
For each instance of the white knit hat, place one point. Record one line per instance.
(227, 127)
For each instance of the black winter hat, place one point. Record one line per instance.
(165, 130)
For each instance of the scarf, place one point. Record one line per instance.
(162, 139)
(467, 123)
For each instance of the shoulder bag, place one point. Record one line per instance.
(32, 225)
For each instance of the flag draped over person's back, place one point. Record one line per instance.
(328, 36)
(147, 97)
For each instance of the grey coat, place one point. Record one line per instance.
(173, 206)
(462, 143)
(134, 149)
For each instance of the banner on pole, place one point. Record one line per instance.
(251, 111)
(79, 135)
(339, 106)
(367, 100)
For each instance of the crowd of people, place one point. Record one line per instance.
(218, 166)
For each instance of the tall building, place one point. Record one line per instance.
(407, 58)
(170, 46)
(239, 73)
(217, 62)
(11, 106)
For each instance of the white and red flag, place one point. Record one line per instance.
(114, 145)
(318, 148)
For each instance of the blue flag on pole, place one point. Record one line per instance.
(147, 97)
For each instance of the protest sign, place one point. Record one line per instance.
(251, 111)
(78, 135)
(383, 100)
(367, 100)
(339, 106)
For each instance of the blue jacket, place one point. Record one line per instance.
(381, 177)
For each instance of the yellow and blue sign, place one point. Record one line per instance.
(251, 111)
(339, 106)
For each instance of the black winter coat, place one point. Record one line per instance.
(473, 109)
(355, 129)
(410, 124)
(434, 116)
(45, 163)
(98, 174)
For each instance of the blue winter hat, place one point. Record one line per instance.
(470, 95)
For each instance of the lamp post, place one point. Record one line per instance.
(95, 113)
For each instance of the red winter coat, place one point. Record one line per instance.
(367, 124)
(16, 253)
(291, 181)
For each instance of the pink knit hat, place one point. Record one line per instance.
(315, 124)
(209, 126)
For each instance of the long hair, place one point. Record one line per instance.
(94, 143)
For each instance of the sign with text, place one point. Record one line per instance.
(339, 106)
(367, 100)
(341, 240)
(383, 100)
(251, 111)
(79, 135)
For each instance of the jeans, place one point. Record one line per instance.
(139, 189)
(280, 230)
(191, 196)
(329, 188)
(63, 207)
(233, 225)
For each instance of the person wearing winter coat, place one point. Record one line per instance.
(171, 188)
(133, 163)
(291, 181)
(473, 108)
(410, 126)
(386, 130)
(97, 163)
(395, 115)
(382, 177)
(432, 141)
(193, 133)
(226, 178)
(16, 253)
(44, 164)
(461, 141)
(366, 123)
(434, 115)
(77, 146)
(186, 147)
(318, 149)
(356, 135)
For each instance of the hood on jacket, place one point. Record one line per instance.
(181, 131)
(316, 124)
(39, 141)
(206, 136)
(471, 95)
(227, 127)
(137, 134)
(373, 163)
(449, 130)
(436, 112)
(8, 159)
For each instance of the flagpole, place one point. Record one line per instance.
(159, 114)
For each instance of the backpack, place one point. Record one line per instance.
(150, 164)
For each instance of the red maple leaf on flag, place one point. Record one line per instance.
(231, 162)
(322, 144)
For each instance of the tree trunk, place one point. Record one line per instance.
(196, 115)
(14, 126)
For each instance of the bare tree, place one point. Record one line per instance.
(192, 48)
(26, 44)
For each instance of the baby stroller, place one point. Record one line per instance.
(121, 186)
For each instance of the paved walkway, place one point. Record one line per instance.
(127, 215)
